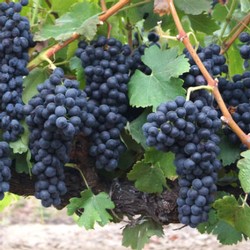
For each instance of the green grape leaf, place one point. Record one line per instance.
(245, 6)
(229, 152)
(64, 6)
(236, 62)
(95, 208)
(226, 208)
(226, 234)
(136, 236)
(203, 23)
(21, 163)
(242, 219)
(135, 128)
(82, 19)
(162, 85)
(148, 178)
(220, 12)
(191, 6)
(209, 225)
(244, 174)
(164, 160)
(75, 64)
(36, 76)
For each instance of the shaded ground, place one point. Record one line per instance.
(26, 225)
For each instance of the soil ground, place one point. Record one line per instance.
(26, 225)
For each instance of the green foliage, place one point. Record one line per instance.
(150, 173)
(35, 77)
(149, 169)
(94, 208)
(191, 6)
(229, 152)
(82, 19)
(226, 233)
(136, 236)
(244, 174)
(163, 84)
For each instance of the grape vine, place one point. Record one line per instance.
(131, 116)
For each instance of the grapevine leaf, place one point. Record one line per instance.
(75, 64)
(226, 208)
(21, 163)
(81, 19)
(64, 6)
(226, 234)
(236, 62)
(244, 174)
(136, 236)
(162, 85)
(220, 11)
(72, 47)
(135, 128)
(245, 6)
(148, 178)
(203, 23)
(242, 219)
(165, 161)
(95, 208)
(229, 152)
(191, 6)
(36, 76)
(209, 225)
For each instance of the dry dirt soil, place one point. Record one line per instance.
(26, 225)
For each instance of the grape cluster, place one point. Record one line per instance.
(189, 130)
(237, 91)
(107, 70)
(241, 116)
(54, 116)
(15, 40)
(5, 164)
(214, 63)
(245, 48)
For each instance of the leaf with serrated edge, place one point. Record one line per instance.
(95, 208)
(165, 161)
(226, 234)
(161, 85)
(192, 7)
(229, 152)
(81, 19)
(136, 236)
(244, 173)
(242, 219)
(226, 208)
(148, 177)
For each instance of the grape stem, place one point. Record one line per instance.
(228, 18)
(192, 89)
(235, 33)
(210, 81)
(52, 50)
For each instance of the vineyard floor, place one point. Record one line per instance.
(25, 225)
